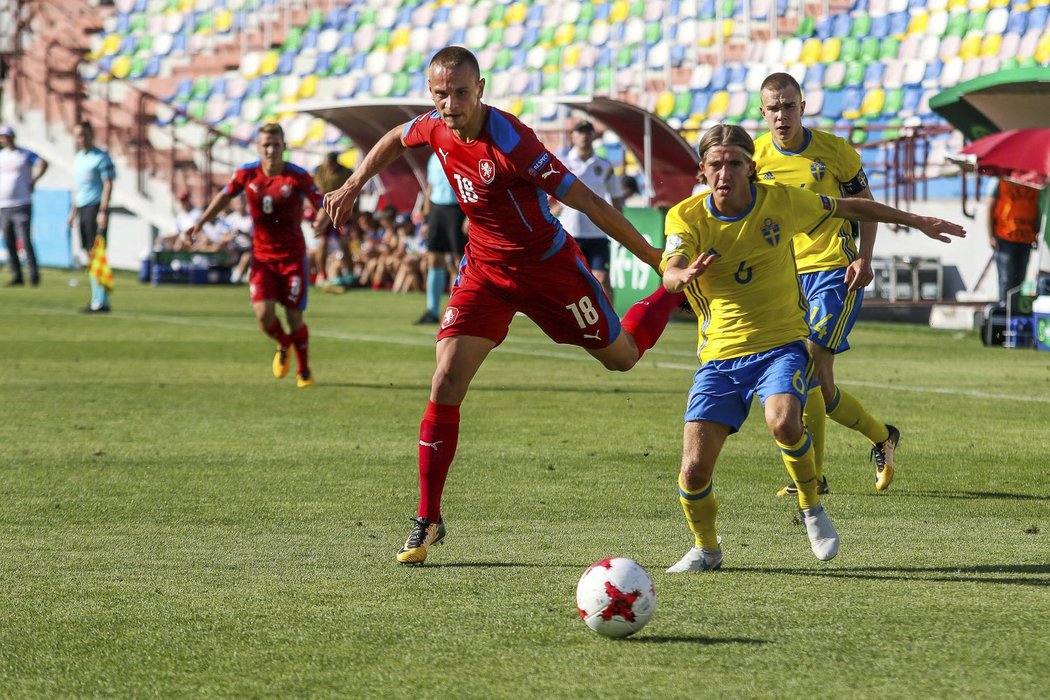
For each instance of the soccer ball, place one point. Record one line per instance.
(616, 597)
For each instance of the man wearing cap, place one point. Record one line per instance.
(597, 173)
(20, 169)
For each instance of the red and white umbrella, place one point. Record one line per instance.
(1019, 155)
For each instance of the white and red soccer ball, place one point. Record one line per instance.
(616, 597)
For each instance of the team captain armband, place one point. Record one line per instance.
(857, 185)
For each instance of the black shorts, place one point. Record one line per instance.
(87, 218)
(596, 251)
(446, 229)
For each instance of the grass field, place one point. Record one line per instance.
(177, 523)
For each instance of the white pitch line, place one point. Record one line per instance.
(508, 347)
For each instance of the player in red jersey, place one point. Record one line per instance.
(275, 191)
(518, 258)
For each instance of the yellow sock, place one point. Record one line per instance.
(700, 509)
(845, 410)
(798, 460)
(816, 419)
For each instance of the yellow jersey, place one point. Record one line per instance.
(826, 165)
(749, 300)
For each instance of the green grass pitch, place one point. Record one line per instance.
(174, 522)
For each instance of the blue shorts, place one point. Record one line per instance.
(723, 389)
(832, 309)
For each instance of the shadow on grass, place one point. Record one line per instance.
(694, 639)
(939, 574)
(503, 388)
(975, 495)
(500, 565)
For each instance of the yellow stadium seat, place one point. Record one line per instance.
(516, 106)
(187, 5)
(349, 158)
(223, 21)
(727, 28)
(1042, 51)
(830, 50)
(957, 5)
(718, 105)
(918, 22)
(516, 13)
(307, 87)
(268, 65)
(564, 34)
(873, 102)
(111, 44)
(315, 133)
(619, 11)
(990, 45)
(664, 104)
(810, 52)
(121, 67)
(999, 3)
(970, 47)
(570, 57)
(400, 37)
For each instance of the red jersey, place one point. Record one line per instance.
(276, 206)
(501, 180)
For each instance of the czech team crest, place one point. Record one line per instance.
(487, 170)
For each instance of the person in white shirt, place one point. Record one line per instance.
(20, 169)
(184, 218)
(597, 173)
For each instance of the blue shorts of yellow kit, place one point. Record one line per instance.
(832, 309)
(723, 389)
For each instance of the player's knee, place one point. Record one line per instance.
(787, 430)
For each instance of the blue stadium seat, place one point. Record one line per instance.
(832, 108)
(701, 98)
(1037, 18)
(720, 78)
(285, 63)
(880, 26)
(899, 23)
(825, 27)
(309, 40)
(841, 25)
(873, 74)
(912, 97)
(934, 68)
(815, 75)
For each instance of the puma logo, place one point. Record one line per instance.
(444, 155)
(550, 172)
(596, 336)
(431, 445)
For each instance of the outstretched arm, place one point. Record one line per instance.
(612, 222)
(869, 210)
(679, 272)
(218, 204)
(340, 203)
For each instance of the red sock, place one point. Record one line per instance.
(276, 331)
(300, 340)
(438, 435)
(646, 320)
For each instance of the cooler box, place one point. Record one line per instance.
(1041, 322)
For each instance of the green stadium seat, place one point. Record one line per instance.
(890, 48)
(869, 50)
(850, 49)
(854, 74)
(861, 26)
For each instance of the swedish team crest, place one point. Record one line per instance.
(771, 231)
(487, 170)
(817, 169)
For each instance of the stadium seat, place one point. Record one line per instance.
(814, 100)
(830, 49)
(834, 75)
(832, 107)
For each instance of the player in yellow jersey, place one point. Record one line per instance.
(833, 271)
(731, 252)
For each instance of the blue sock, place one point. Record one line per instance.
(435, 288)
(96, 294)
